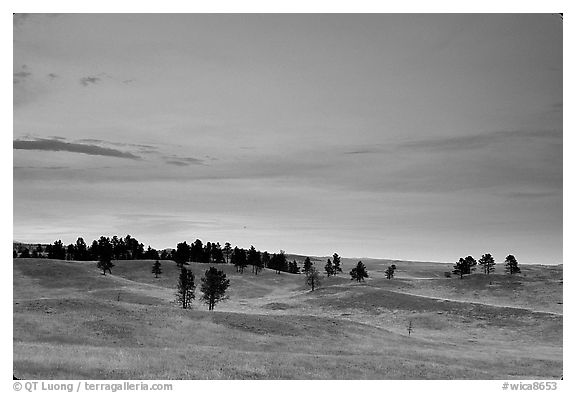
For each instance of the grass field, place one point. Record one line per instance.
(71, 322)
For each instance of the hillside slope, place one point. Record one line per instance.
(70, 322)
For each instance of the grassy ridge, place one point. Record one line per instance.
(72, 322)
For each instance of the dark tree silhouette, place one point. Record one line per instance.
(265, 259)
(214, 285)
(25, 253)
(182, 255)
(217, 254)
(390, 272)
(105, 255)
(70, 251)
(307, 265)
(359, 273)
(329, 268)
(56, 250)
(293, 267)
(186, 287)
(487, 263)
(281, 262)
(470, 264)
(313, 279)
(278, 262)
(93, 250)
(105, 265)
(460, 268)
(239, 259)
(336, 264)
(227, 251)
(511, 264)
(14, 254)
(254, 258)
(81, 250)
(157, 268)
(150, 253)
(197, 251)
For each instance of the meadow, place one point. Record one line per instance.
(72, 322)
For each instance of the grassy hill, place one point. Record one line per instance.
(72, 322)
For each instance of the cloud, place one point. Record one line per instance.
(22, 74)
(362, 151)
(182, 161)
(52, 168)
(59, 145)
(533, 194)
(87, 80)
(478, 141)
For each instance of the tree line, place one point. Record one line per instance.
(486, 263)
(129, 248)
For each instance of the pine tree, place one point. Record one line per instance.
(336, 264)
(156, 269)
(469, 267)
(227, 251)
(329, 268)
(511, 264)
(186, 287)
(307, 265)
(487, 263)
(359, 272)
(265, 259)
(390, 272)
(460, 268)
(182, 255)
(105, 265)
(254, 259)
(293, 267)
(214, 285)
(239, 259)
(313, 278)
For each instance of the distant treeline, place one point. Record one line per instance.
(129, 248)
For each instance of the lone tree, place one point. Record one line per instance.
(336, 264)
(156, 269)
(511, 264)
(487, 263)
(214, 285)
(307, 265)
(186, 288)
(390, 272)
(359, 272)
(313, 278)
(329, 268)
(105, 265)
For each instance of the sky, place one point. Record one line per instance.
(416, 137)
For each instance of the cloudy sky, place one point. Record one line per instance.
(422, 137)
